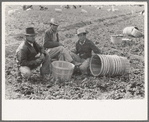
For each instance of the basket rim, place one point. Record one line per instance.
(64, 62)
(91, 66)
(118, 35)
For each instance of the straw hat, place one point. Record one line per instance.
(30, 31)
(54, 21)
(81, 30)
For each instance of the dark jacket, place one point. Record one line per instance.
(48, 39)
(85, 50)
(26, 54)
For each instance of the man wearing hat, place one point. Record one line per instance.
(27, 54)
(83, 50)
(52, 44)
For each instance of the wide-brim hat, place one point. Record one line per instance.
(54, 21)
(82, 30)
(30, 31)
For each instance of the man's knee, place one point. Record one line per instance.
(60, 48)
(25, 71)
(75, 57)
(85, 65)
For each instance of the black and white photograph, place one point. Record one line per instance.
(72, 58)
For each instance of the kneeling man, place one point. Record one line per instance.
(29, 55)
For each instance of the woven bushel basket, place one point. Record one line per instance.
(62, 70)
(109, 65)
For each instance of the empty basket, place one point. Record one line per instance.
(62, 70)
(116, 39)
(136, 33)
(110, 65)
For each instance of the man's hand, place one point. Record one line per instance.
(42, 57)
(42, 51)
(81, 55)
(74, 50)
(38, 55)
(38, 61)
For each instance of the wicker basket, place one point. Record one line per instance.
(62, 70)
(109, 65)
(116, 39)
(136, 33)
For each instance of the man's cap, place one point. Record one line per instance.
(54, 21)
(81, 30)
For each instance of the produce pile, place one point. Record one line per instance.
(101, 24)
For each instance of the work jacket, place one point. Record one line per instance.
(85, 50)
(25, 54)
(48, 39)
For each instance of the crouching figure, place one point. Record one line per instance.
(29, 55)
(83, 51)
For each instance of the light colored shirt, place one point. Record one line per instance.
(31, 44)
(82, 43)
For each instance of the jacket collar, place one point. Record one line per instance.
(51, 30)
(82, 42)
(28, 44)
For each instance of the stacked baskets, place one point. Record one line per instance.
(62, 70)
(108, 65)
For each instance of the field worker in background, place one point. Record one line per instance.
(29, 55)
(52, 44)
(82, 51)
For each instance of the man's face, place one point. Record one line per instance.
(82, 36)
(54, 27)
(30, 38)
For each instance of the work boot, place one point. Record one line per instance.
(77, 71)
